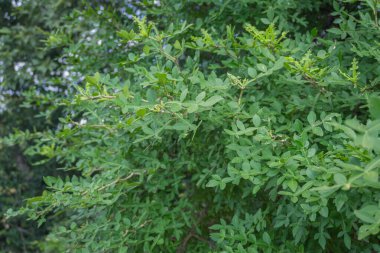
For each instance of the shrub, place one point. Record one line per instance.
(212, 136)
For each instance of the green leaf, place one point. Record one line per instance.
(183, 94)
(141, 112)
(180, 126)
(347, 241)
(340, 200)
(348, 131)
(314, 32)
(321, 53)
(200, 96)
(322, 240)
(293, 185)
(240, 125)
(49, 180)
(317, 131)
(279, 64)
(222, 185)
(93, 80)
(192, 108)
(335, 31)
(212, 183)
(261, 67)
(374, 164)
(267, 53)
(311, 152)
(369, 214)
(146, 49)
(311, 117)
(324, 211)
(252, 72)
(212, 100)
(374, 107)
(340, 179)
(127, 36)
(371, 176)
(175, 107)
(177, 45)
(266, 238)
(256, 120)
(246, 166)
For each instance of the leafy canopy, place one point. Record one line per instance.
(215, 130)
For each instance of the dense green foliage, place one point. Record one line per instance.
(205, 126)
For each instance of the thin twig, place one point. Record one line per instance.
(240, 96)
(97, 97)
(118, 180)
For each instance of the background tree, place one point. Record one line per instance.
(31, 77)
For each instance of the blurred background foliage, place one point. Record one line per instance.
(27, 69)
